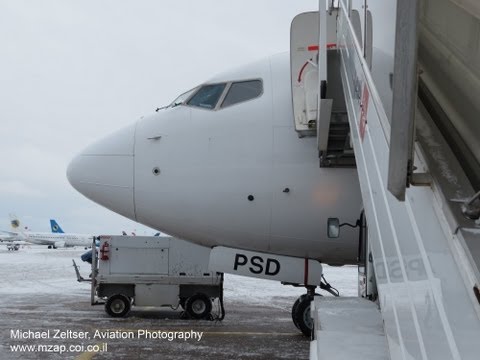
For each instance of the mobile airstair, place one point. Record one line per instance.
(410, 89)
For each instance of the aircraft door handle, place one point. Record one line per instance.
(156, 137)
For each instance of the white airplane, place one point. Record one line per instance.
(12, 240)
(52, 240)
(7, 236)
(237, 176)
(222, 165)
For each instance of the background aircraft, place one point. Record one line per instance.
(11, 240)
(52, 240)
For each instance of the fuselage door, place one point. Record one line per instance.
(304, 71)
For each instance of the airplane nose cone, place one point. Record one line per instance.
(104, 171)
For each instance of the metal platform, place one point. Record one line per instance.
(347, 328)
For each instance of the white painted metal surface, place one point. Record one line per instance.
(425, 269)
(105, 169)
(157, 294)
(347, 328)
(266, 266)
(236, 177)
(154, 260)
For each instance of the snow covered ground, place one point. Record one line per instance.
(39, 291)
(36, 269)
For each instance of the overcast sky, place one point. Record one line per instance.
(73, 71)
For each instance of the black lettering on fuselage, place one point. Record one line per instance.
(258, 265)
(268, 267)
(240, 260)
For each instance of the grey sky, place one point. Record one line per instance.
(73, 71)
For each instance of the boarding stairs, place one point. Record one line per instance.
(423, 252)
(339, 151)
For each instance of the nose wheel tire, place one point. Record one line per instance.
(301, 315)
(198, 306)
(117, 305)
(294, 310)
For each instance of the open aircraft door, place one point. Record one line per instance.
(304, 71)
(308, 66)
(317, 93)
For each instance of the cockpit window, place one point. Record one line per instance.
(243, 91)
(207, 97)
(182, 98)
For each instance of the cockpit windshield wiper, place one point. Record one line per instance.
(162, 108)
(172, 105)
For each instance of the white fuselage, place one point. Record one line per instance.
(237, 176)
(57, 240)
(10, 237)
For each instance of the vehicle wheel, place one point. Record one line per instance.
(117, 305)
(198, 306)
(301, 317)
(294, 309)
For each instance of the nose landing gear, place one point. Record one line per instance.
(301, 312)
(301, 315)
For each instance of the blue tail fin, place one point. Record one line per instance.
(55, 227)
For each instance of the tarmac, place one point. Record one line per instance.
(46, 314)
(247, 332)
